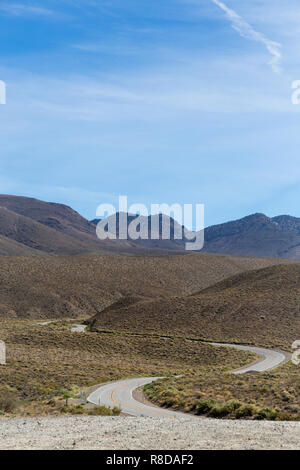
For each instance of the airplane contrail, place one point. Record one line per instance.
(246, 31)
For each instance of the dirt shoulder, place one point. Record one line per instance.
(105, 433)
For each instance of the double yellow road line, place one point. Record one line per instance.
(133, 407)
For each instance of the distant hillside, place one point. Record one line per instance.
(81, 286)
(256, 235)
(161, 229)
(32, 227)
(29, 226)
(257, 307)
(38, 237)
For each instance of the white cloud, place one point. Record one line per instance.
(17, 9)
(247, 31)
(148, 96)
(109, 49)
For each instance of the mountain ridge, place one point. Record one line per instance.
(29, 226)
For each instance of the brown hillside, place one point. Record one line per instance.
(49, 228)
(10, 247)
(259, 307)
(40, 227)
(256, 235)
(39, 237)
(79, 286)
(57, 216)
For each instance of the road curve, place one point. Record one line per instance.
(270, 358)
(120, 393)
(78, 328)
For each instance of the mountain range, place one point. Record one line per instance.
(29, 226)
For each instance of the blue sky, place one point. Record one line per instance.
(183, 101)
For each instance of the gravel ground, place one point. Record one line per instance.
(116, 433)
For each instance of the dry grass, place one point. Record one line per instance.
(44, 362)
(47, 363)
(70, 287)
(272, 395)
(258, 307)
(99, 410)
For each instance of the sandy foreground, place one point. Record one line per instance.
(113, 433)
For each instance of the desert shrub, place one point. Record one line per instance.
(267, 414)
(245, 411)
(294, 408)
(232, 406)
(8, 403)
(171, 398)
(116, 410)
(103, 410)
(72, 392)
(77, 410)
(51, 402)
(218, 411)
(204, 406)
(100, 410)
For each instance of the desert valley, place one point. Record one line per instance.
(145, 314)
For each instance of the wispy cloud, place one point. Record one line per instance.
(18, 9)
(109, 49)
(248, 32)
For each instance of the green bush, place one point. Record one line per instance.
(245, 411)
(103, 410)
(267, 413)
(232, 406)
(218, 411)
(77, 410)
(204, 406)
(221, 410)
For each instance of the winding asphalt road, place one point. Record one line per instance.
(270, 358)
(78, 328)
(120, 393)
